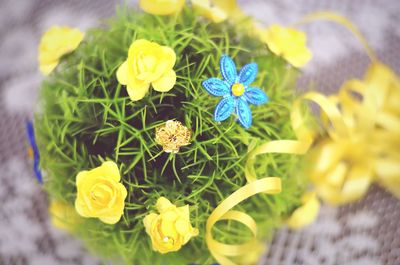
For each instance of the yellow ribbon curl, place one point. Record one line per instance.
(363, 143)
(221, 251)
(269, 185)
(362, 122)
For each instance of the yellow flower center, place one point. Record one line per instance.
(237, 89)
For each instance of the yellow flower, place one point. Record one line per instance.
(63, 215)
(99, 193)
(215, 10)
(147, 63)
(170, 229)
(162, 7)
(55, 43)
(288, 43)
(306, 213)
(211, 12)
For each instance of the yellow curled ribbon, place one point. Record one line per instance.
(223, 211)
(269, 185)
(363, 143)
(362, 122)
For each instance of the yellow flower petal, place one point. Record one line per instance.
(163, 204)
(47, 68)
(55, 43)
(122, 73)
(170, 57)
(300, 58)
(148, 222)
(218, 10)
(111, 220)
(229, 6)
(182, 226)
(205, 9)
(123, 192)
(108, 169)
(80, 208)
(81, 175)
(137, 93)
(166, 82)
(184, 211)
(162, 7)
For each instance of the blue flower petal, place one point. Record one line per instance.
(228, 69)
(244, 113)
(216, 87)
(224, 109)
(255, 96)
(248, 73)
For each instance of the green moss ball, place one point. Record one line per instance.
(87, 117)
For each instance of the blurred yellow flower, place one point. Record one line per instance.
(55, 43)
(162, 7)
(215, 10)
(211, 12)
(170, 229)
(99, 193)
(63, 215)
(306, 213)
(288, 43)
(147, 63)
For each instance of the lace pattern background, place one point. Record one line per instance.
(364, 233)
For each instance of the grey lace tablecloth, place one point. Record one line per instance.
(364, 233)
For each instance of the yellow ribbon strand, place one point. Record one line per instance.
(341, 20)
(223, 211)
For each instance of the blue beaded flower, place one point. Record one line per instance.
(236, 92)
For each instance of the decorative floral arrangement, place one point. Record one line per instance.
(175, 135)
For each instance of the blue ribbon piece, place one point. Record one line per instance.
(36, 157)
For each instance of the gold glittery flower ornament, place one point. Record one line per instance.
(172, 136)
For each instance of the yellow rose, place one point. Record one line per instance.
(170, 229)
(55, 43)
(306, 213)
(147, 63)
(288, 43)
(162, 7)
(99, 193)
(63, 215)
